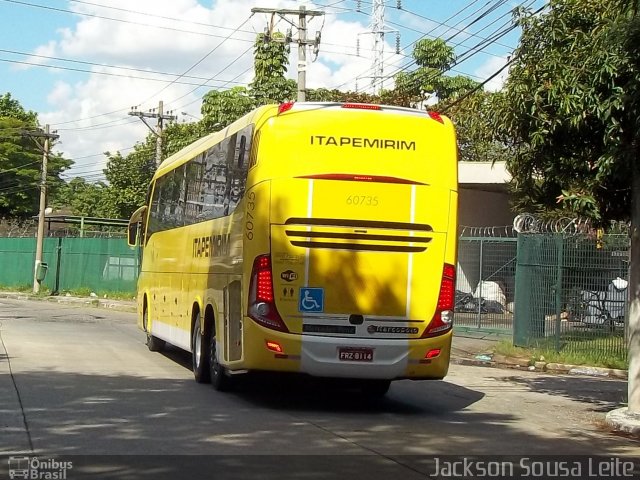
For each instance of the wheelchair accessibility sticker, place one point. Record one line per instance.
(311, 300)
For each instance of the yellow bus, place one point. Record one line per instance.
(317, 238)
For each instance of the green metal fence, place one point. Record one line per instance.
(98, 264)
(571, 293)
(485, 284)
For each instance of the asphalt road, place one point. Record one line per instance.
(77, 382)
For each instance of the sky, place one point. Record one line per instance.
(83, 65)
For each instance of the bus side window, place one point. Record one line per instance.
(239, 167)
(154, 221)
(214, 182)
(178, 196)
(253, 150)
(241, 151)
(194, 169)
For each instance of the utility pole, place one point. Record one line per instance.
(46, 147)
(302, 55)
(302, 40)
(161, 116)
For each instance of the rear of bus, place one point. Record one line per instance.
(353, 274)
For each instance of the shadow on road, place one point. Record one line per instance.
(291, 392)
(122, 414)
(603, 395)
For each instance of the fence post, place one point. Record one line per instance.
(480, 285)
(558, 287)
(522, 301)
(56, 286)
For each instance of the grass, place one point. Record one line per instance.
(78, 292)
(588, 354)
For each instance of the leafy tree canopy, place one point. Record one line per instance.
(9, 107)
(271, 58)
(428, 82)
(569, 109)
(473, 116)
(21, 161)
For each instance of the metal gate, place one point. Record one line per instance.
(485, 283)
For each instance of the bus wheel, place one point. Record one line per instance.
(154, 344)
(199, 356)
(219, 377)
(375, 388)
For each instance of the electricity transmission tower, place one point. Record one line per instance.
(378, 30)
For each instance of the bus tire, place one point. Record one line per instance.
(375, 388)
(220, 379)
(199, 353)
(154, 344)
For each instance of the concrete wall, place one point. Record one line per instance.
(479, 208)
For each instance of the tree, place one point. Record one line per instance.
(563, 110)
(271, 58)
(571, 111)
(21, 160)
(82, 198)
(128, 179)
(428, 82)
(11, 108)
(220, 108)
(473, 117)
(470, 111)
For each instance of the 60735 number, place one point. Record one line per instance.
(363, 200)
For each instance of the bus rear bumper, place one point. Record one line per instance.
(391, 358)
(329, 356)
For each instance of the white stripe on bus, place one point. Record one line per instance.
(412, 219)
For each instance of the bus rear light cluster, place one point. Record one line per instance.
(433, 353)
(437, 117)
(442, 320)
(262, 308)
(285, 107)
(361, 106)
(274, 346)
(351, 177)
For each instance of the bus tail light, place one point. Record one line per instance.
(433, 353)
(362, 106)
(262, 307)
(285, 107)
(274, 346)
(442, 320)
(437, 117)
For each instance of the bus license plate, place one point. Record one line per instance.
(351, 354)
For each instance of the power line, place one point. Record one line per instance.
(427, 34)
(458, 31)
(94, 64)
(118, 20)
(200, 61)
(133, 77)
(507, 27)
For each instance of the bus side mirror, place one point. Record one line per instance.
(134, 227)
(132, 234)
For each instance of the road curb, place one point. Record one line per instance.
(96, 302)
(542, 367)
(622, 420)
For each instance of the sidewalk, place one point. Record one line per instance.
(477, 349)
(120, 305)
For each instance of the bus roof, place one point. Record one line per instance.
(263, 113)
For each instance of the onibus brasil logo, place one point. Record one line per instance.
(34, 468)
